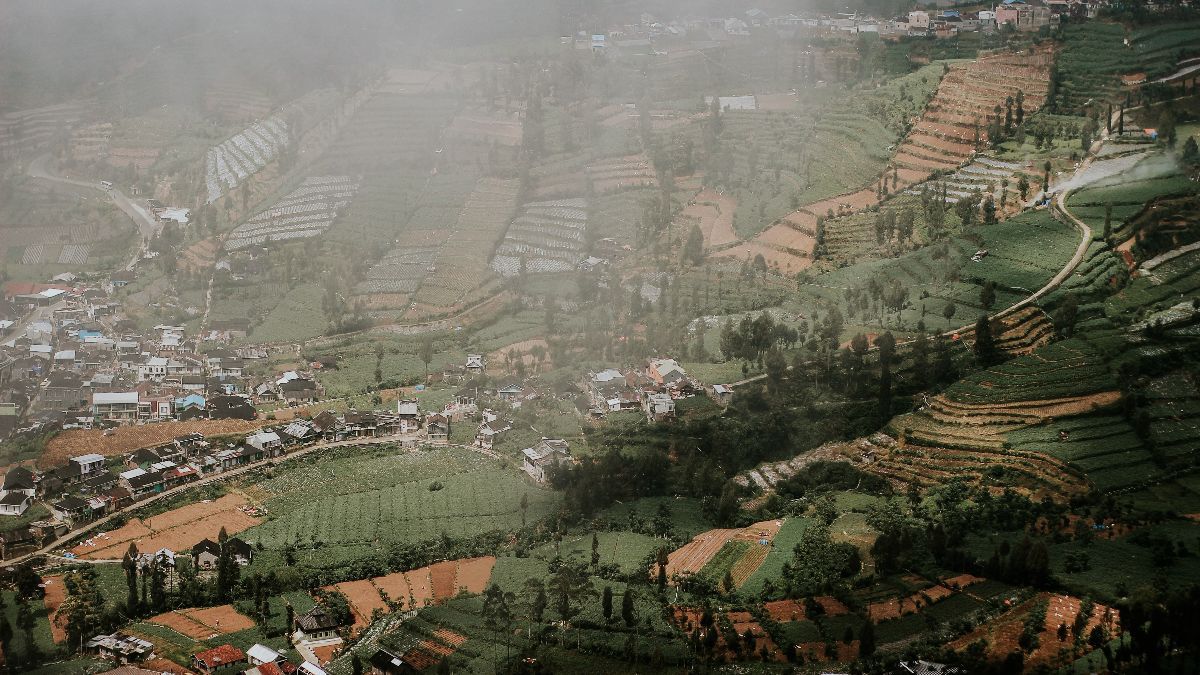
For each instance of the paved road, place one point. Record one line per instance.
(1060, 206)
(146, 224)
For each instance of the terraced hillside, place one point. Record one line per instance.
(944, 139)
(1096, 55)
(229, 164)
(29, 131)
(305, 212)
(546, 237)
(968, 430)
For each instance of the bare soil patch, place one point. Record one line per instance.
(223, 619)
(178, 529)
(474, 574)
(124, 440)
(56, 593)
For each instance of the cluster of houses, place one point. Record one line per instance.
(651, 33)
(69, 358)
(653, 389)
(259, 659)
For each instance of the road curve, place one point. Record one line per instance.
(143, 220)
(1085, 241)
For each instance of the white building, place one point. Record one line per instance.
(547, 453)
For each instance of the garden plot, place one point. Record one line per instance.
(305, 212)
(620, 173)
(229, 164)
(461, 266)
(205, 623)
(400, 271)
(73, 254)
(694, 556)
(547, 237)
(1000, 635)
(178, 529)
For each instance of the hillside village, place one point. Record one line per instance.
(540, 336)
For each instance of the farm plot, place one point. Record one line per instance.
(627, 550)
(307, 211)
(229, 164)
(1001, 634)
(694, 556)
(415, 589)
(461, 265)
(621, 173)
(386, 495)
(992, 426)
(205, 623)
(1095, 55)
(178, 529)
(713, 212)
(56, 593)
(547, 237)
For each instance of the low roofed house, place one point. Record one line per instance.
(206, 553)
(210, 660)
(666, 372)
(300, 390)
(658, 407)
(267, 441)
(19, 479)
(409, 416)
(122, 648)
(316, 624)
(14, 504)
(260, 654)
(549, 452)
(437, 427)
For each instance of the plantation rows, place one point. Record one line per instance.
(461, 265)
(546, 237)
(305, 212)
(353, 507)
(1095, 55)
(229, 164)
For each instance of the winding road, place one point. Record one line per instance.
(146, 223)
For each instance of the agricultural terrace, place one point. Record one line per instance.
(415, 589)
(546, 237)
(354, 500)
(712, 554)
(1116, 201)
(1024, 253)
(47, 227)
(432, 220)
(614, 174)
(943, 139)
(177, 530)
(391, 141)
(1095, 56)
(229, 164)
(1043, 615)
(626, 550)
(995, 426)
(307, 211)
(946, 135)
